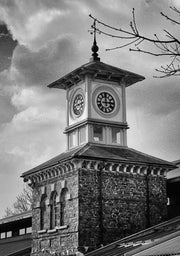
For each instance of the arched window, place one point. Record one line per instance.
(53, 210)
(63, 201)
(42, 212)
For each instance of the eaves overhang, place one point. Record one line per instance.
(97, 70)
(114, 154)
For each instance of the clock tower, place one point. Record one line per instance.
(96, 103)
(99, 190)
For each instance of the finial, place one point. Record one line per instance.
(94, 47)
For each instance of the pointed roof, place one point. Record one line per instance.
(115, 154)
(99, 70)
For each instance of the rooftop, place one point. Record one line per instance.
(98, 152)
(20, 216)
(16, 245)
(98, 70)
(17, 221)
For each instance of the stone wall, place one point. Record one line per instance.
(62, 238)
(114, 205)
(157, 199)
(104, 205)
(124, 203)
(89, 209)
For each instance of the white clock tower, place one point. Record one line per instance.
(96, 102)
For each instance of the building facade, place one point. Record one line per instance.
(99, 190)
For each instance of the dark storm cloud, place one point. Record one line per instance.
(7, 111)
(43, 66)
(7, 45)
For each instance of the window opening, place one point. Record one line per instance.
(9, 234)
(82, 134)
(53, 211)
(72, 139)
(97, 133)
(29, 230)
(22, 231)
(116, 135)
(3, 235)
(43, 212)
(63, 201)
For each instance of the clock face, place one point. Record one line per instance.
(105, 102)
(78, 104)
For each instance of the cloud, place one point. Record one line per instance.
(45, 65)
(158, 136)
(34, 23)
(154, 117)
(34, 15)
(25, 136)
(176, 3)
(164, 93)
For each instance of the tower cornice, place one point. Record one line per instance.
(99, 70)
(99, 152)
(91, 156)
(59, 170)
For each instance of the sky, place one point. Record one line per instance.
(41, 40)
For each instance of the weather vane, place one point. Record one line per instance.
(95, 47)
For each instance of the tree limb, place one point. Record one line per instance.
(169, 47)
(168, 18)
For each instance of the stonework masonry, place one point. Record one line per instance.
(114, 205)
(106, 202)
(60, 238)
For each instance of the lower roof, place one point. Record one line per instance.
(104, 153)
(18, 221)
(170, 246)
(161, 239)
(16, 217)
(15, 245)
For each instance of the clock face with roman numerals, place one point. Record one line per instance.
(78, 104)
(105, 102)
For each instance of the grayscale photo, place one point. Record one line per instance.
(89, 127)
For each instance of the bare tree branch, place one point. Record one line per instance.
(118, 47)
(175, 9)
(23, 203)
(129, 33)
(152, 53)
(170, 47)
(168, 18)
